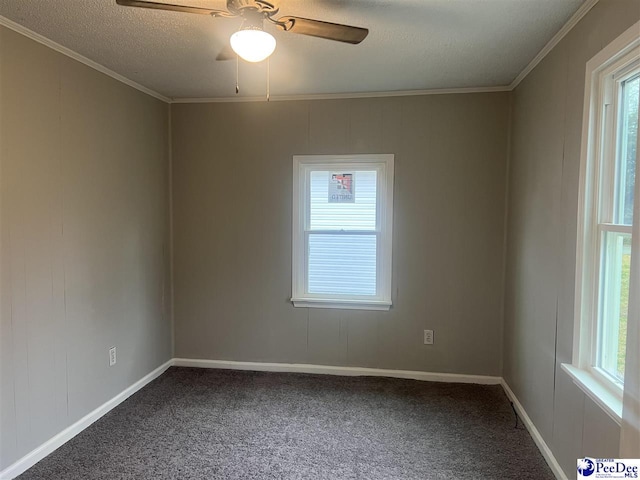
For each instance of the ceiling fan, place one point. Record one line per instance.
(251, 42)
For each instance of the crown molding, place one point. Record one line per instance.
(566, 28)
(341, 96)
(16, 27)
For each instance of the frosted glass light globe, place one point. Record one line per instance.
(253, 45)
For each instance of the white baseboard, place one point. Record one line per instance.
(334, 370)
(33, 457)
(68, 433)
(535, 434)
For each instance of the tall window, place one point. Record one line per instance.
(615, 220)
(342, 224)
(610, 152)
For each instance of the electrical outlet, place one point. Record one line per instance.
(428, 337)
(112, 356)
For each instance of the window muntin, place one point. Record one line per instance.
(342, 231)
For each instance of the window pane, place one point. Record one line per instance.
(342, 264)
(343, 200)
(627, 147)
(614, 306)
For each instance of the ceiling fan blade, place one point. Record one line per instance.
(170, 7)
(330, 31)
(226, 53)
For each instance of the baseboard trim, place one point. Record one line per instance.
(535, 434)
(336, 370)
(68, 433)
(33, 457)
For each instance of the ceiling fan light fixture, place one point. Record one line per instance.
(253, 44)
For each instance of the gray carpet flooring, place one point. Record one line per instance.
(217, 424)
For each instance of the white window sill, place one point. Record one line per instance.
(341, 304)
(594, 389)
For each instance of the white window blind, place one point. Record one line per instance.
(342, 239)
(342, 264)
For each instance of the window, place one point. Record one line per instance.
(342, 229)
(616, 219)
(608, 183)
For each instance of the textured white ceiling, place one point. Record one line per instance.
(412, 44)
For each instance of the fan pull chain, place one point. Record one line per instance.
(237, 68)
(268, 78)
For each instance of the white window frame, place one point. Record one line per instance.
(302, 166)
(604, 73)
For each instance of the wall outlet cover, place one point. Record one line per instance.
(112, 356)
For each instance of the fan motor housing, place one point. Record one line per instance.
(240, 7)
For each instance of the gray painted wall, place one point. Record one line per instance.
(84, 236)
(84, 231)
(232, 187)
(542, 226)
